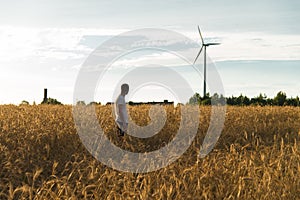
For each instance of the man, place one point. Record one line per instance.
(121, 111)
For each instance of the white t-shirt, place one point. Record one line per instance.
(121, 101)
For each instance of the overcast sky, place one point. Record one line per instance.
(43, 44)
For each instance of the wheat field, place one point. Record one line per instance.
(256, 157)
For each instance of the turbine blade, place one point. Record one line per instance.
(213, 43)
(198, 54)
(200, 35)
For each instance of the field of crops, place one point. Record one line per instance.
(256, 157)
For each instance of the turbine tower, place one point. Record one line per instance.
(204, 45)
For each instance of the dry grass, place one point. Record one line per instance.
(256, 157)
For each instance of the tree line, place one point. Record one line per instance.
(261, 100)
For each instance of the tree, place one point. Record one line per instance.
(24, 102)
(206, 101)
(195, 99)
(297, 101)
(82, 103)
(246, 101)
(270, 101)
(231, 100)
(51, 101)
(280, 98)
(260, 100)
(94, 103)
(218, 100)
(292, 101)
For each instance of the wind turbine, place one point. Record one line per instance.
(204, 45)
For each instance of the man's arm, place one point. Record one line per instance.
(121, 108)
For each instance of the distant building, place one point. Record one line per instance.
(165, 102)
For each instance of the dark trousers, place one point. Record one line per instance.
(120, 131)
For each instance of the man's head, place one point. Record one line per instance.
(124, 89)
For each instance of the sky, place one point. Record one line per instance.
(44, 44)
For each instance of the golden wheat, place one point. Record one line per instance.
(256, 157)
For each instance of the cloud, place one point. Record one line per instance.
(255, 46)
(154, 58)
(19, 43)
(234, 46)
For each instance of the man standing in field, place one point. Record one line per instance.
(121, 111)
